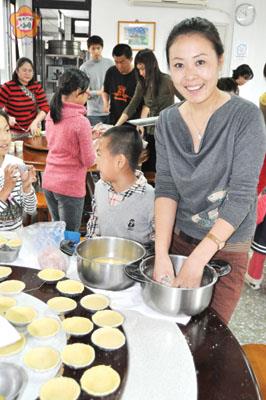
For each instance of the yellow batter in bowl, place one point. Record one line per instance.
(43, 328)
(78, 355)
(77, 326)
(100, 380)
(14, 348)
(108, 318)
(94, 302)
(60, 388)
(41, 359)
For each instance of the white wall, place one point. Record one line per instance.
(25, 45)
(254, 36)
(106, 13)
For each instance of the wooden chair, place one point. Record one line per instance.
(43, 214)
(256, 355)
(150, 176)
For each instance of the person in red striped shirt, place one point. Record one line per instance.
(24, 100)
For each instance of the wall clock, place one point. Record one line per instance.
(245, 14)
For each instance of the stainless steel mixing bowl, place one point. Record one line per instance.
(13, 379)
(172, 300)
(107, 275)
(8, 254)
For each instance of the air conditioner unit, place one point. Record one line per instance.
(170, 3)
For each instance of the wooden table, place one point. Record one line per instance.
(36, 143)
(35, 152)
(223, 371)
(37, 158)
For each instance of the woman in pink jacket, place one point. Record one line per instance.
(71, 151)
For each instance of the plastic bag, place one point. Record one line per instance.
(42, 240)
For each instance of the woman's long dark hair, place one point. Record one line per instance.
(71, 80)
(21, 61)
(197, 25)
(242, 70)
(152, 71)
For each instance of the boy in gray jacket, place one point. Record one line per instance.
(123, 204)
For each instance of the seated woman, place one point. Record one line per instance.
(16, 191)
(24, 100)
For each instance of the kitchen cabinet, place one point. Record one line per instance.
(55, 66)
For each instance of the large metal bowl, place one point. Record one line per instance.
(171, 300)
(104, 275)
(9, 253)
(12, 380)
(64, 47)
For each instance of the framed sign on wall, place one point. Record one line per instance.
(137, 34)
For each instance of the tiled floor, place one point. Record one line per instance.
(248, 323)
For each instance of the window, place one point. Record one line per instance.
(8, 58)
(80, 27)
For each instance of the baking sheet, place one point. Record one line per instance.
(143, 121)
(165, 369)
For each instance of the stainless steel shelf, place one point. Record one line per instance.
(62, 56)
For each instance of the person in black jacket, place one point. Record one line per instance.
(120, 83)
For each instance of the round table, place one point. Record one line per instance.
(36, 143)
(35, 153)
(223, 372)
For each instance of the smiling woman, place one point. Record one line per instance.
(205, 204)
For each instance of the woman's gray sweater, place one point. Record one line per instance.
(220, 180)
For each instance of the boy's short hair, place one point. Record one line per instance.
(94, 40)
(122, 49)
(125, 140)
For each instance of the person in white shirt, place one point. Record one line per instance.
(16, 192)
